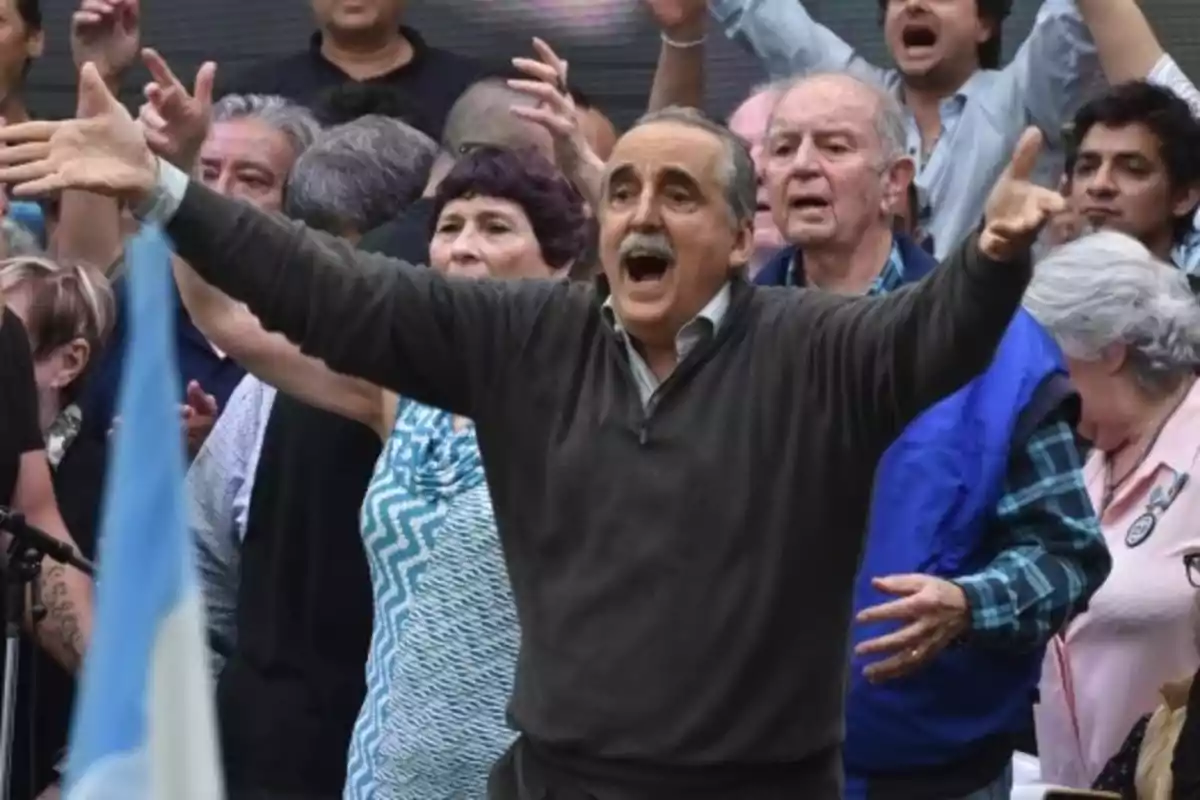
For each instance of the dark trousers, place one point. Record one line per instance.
(524, 773)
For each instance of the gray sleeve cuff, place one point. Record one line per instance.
(169, 189)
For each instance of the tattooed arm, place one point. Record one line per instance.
(66, 592)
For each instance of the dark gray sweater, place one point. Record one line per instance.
(683, 581)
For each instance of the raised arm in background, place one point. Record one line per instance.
(1130, 50)
(546, 83)
(895, 356)
(679, 76)
(1056, 69)
(106, 33)
(788, 41)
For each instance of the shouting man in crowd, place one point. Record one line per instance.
(980, 500)
(661, 650)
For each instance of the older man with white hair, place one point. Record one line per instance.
(982, 531)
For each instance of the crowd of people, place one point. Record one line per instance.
(472, 515)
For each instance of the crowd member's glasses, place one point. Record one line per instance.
(1191, 563)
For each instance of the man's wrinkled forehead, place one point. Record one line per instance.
(824, 102)
(658, 147)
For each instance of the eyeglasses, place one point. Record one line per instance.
(1191, 563)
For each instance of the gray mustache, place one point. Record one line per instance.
(646, 244)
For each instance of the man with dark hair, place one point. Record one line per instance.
(1133, 165)
(364, 42)
(964, 114)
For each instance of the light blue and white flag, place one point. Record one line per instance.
(144, 721)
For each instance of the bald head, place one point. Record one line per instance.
(483, 116)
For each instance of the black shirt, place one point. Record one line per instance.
(20, 431)
(291, 690)
(433, 79)
(683, 575)
(197, 361)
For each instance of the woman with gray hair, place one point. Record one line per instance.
(1130, 330)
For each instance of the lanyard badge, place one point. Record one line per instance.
(1160, 500)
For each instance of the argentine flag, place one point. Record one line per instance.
(144, 721)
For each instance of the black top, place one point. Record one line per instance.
(683, 576)
(1185, 765)
(196, 358)
(290, 693)
(433, 79)
(20, 431)
(406, 237)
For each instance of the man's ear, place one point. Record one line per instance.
(896, 180)
(1185, 202)
(743, 247)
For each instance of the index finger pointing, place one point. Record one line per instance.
(1025, 156)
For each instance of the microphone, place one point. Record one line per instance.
(37, 539)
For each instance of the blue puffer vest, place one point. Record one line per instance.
(936, 489)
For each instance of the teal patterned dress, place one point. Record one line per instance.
(444, 646)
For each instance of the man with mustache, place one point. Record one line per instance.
(682, 569)
(980, 500)
(963, 114)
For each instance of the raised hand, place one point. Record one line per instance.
(176, 122)
(199, 413)
(106, 33)
(1017, 208)
(102, 150)
(556, 112)
(679, 18)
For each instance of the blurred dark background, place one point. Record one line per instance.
(611, 44)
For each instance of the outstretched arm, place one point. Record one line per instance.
(271, 358)
(891, 358)
(437, 340)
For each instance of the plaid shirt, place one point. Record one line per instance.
(1050, 556)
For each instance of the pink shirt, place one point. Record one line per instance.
(1139, 631)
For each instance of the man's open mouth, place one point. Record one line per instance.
(646, 266)
(918, 36)
(807, 202)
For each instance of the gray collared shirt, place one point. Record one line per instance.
(1055, 70)
(704, 324)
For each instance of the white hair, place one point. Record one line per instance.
(1107, 288)
(295, 122)
(889, 114)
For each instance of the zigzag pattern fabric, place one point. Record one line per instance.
(444, 646)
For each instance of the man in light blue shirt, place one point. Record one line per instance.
(963, 114)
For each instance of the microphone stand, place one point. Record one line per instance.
(29, 546)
